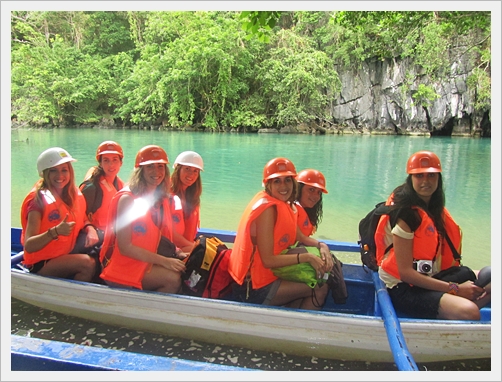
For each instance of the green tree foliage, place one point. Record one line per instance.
(58, 75)
(194, 68)
(259, 24)
(297, 80)
(424, 95)
(224, 69)
(107, 33)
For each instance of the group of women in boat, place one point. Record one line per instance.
(111, 231)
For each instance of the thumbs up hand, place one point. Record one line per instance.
(65, 228)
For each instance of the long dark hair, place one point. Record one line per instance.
(314, 213)
(405, 196)
(192, 193)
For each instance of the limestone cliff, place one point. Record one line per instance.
(378, 98)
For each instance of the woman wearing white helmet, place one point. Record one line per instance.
(186, 189)
(52, 215)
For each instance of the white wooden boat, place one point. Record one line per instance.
(363, 329)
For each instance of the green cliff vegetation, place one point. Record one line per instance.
(222, 69)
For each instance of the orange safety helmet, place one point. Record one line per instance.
(278, 167)
(423, 161)
(109, 147)
(312, 178)
(151, 154)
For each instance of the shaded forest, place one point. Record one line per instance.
(227, 70)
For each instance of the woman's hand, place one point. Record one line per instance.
(65, 228)
(92, 236)
(172, 264)
(470, 291)
(326, 257)
(317, 263)
(180, 254)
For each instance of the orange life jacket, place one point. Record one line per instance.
(123, 269)
(100, 216)
(383, 239)
(187, 227)
(54, 212)
(425, 244)
(245, 256)
(303, 221)
(455, 234)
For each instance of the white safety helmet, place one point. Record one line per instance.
(51, 158)
(189, 158)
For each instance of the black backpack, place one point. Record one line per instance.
(201, 266)
(93, 195)
(367, 228)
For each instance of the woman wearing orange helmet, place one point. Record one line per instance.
(311, 186)
(419, 256)
(268, 227)
(140, 216)
(102, 182)
(52, 215)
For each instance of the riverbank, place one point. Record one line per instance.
(304, 128)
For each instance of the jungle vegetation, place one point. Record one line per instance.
(217, 69)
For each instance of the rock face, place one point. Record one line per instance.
(378, 99)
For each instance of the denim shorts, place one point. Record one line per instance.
(413, 301)
(261, 296)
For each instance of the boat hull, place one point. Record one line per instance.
(322, 334)
(34, 354)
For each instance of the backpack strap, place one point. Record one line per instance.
(384, 209)
(388, 248)
(456, 255)
(93, 195)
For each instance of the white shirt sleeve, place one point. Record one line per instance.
(398, 231)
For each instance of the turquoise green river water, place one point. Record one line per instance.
(360, 171)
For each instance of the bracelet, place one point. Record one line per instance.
(452, 288)
(319, 244)
(298, 258)
(56, 230)
(50, 234)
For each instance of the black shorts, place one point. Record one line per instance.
(413, 301)
(35, 268)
